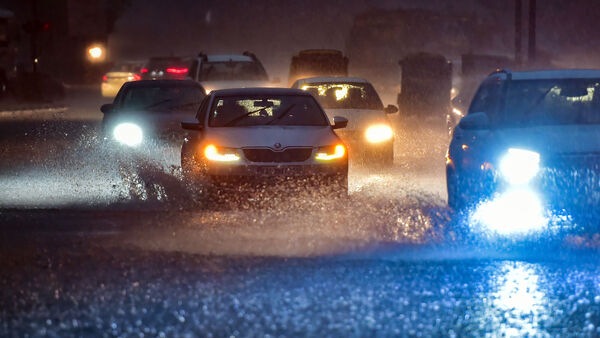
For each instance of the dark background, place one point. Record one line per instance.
(567, 31)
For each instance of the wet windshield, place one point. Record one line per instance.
(161, 98)
(345, 95)
(553, 102)
(266, 110)
(232, 70)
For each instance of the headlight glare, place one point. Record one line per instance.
(129, 134)
(213, 153)
(331, 153)
(519, 166)
(379, 133)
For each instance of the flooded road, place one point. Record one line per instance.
(100, 242)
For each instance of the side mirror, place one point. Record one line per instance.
(191, 126)
(475, 121)
(390, 109)
(339, 122)
(107, 108)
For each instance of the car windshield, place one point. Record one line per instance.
(233, 70)
(161, 98)
(552, 102)
(345, 95)
(289, 110)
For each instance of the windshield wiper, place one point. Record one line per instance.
(155, 104)
(282, 114)
(185, 105)
(238, 118)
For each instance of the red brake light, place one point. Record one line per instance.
(144, 70)
(136, 77)
(104, 78)
(175, 70)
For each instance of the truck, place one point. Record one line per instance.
(317, 62)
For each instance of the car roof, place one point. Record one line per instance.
(259, 91)
(163, 82)
(334, 79)
(228, 57)
(548, 74)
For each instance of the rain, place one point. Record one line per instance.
(102, 239)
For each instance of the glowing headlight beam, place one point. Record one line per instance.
(516, 212)
(212, 153)
(129, 134)
(519, 166)
(339, 151)
(379, 133)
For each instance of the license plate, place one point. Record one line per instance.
(271, 171)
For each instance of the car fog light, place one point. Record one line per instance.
(519, 166)
(129, 134)
(379, 133)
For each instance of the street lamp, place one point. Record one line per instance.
(96, 53)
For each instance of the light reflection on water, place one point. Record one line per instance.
(518, 305)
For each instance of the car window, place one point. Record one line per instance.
(162, 98)
(232, 70)
(487, 98)
(553, 102)
(345, 95)
(236, 111)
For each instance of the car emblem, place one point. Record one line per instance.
(277, 145)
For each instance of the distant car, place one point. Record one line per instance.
(369, 135)
(529, 142)
(149, 110)
(264, 136)
(165, 67)
(120, 73)
(222, 71)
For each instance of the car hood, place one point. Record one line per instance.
(563, 139)
(358, 119)
(226, 84)
(268, 136)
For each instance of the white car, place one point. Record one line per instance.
(223, 71)
(369, 134)
(528, 146)
(249, 137)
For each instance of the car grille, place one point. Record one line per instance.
(285, 155)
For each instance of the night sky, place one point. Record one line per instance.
(276, 29)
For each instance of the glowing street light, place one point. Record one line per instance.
(96, 53)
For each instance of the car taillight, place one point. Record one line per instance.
(144, 70)
(176, 70)
(136, 77)
(104, 78)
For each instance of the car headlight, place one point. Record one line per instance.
(519, 166)
(129, 134)
(331, 152)
(218, 154)
(379, 133)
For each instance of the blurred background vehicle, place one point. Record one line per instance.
(165, 67)
(317, 62)
(221, 71)
(529, 143)
(146, 110)
(272, 138)
(120, 73)
(426, 84)
(370, 134)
